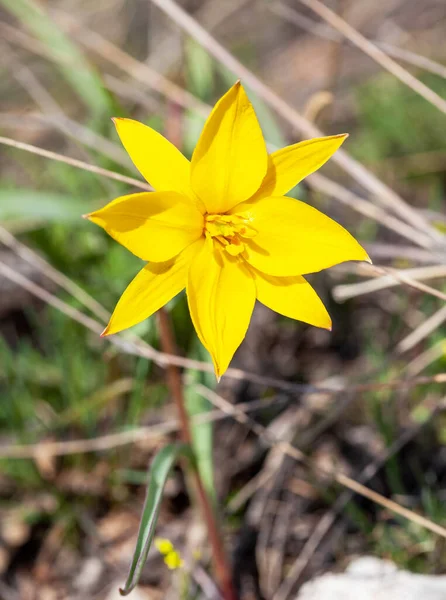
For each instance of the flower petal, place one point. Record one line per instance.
(292, 297)
(294, 238)
(158, 161)
(230, 159)
(155, 284)
(288, 166)
(221, 296)
(155, 226)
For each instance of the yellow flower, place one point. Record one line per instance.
(221, 227)
(164, 546)
(172, 557)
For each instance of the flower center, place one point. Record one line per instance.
(230, 231)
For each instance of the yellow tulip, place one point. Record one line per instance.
(221, 227)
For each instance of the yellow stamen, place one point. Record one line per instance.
(229, 230)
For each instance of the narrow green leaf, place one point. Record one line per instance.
(200, 82)
(159, 472)
(82, 77)
(200, 70)
(42, 206)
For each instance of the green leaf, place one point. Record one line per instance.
(200, 70)
(42, 206)
(83, 79)
(202, 433)
(159, 472)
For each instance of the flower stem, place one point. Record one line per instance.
(222, 569)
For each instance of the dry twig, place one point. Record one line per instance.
(375, 53)
(290, 450)
(386, 277)
(422, 331)
(324, 31)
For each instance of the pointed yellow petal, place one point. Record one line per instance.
(221, 296)
(158, 161)
(155, 284)
(288, 166)
(292, 297)
(155, 226)
(294, 238)
(230, 159)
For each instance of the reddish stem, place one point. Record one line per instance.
(221, 566)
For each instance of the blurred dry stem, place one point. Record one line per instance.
(135, 69)
(73, 162)
(375, 53)
(341, 478)
(59, 278)
(330, 33)
(422, 331)
(386, 277)
(328, 520)
(150, 434)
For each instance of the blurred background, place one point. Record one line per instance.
(81, 417)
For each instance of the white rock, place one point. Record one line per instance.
(370, 578)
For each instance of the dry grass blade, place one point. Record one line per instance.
(425, 329)
(329, 33)
(367, 208)
(49, 271)
(404, 278)
(148, 434)
(386, 278)
(123, 60)
(131, 344)
(375, 53)
(118, 87)
(123, 89)
(84, 81)
(224, 409)
(367, 179)
(381, 250)
(329, 518)
(23, 39)
(53, 113)
(296, 454)
(132, 67)
(212, 14)
(305, 555)
(87, 137)
(414, 59)
(225, 406)
(426, 358)
(50, 299)
(73, 162)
